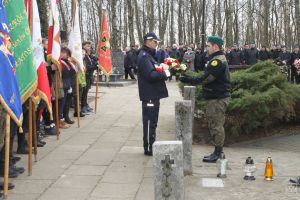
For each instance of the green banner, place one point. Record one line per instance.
(21, 47)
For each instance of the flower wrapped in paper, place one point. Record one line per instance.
(297, 66)
(175, 65)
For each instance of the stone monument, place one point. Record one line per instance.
(168, 170)
(183, 124)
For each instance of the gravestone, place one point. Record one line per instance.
(168, 170)
(189, 93)
(183, 124)
(117, 58)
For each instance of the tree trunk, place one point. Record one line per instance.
(150, 15)
(130, 21)
(172, 29)
(64, 25)
(180, 21)
(138, 22)
(115, 31)
(297, 16)
(42, 6)
(229, 23)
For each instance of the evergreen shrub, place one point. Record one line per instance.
(261, 97)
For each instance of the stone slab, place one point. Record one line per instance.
(168, 179)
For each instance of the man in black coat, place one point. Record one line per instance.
(152, 87)
(129, 63)
(235, 56)
(251, 55)
(263, 54)
(285, 56)
(91, 64)
(295, 55)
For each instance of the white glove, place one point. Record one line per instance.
(70, 90)
(167, 73)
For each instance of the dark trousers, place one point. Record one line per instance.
(85, 90)
(46, 115)
(75, 98)
(67, 105)
(128, 71)
(13, 132)
(150, 118)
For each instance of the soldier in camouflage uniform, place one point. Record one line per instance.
(216, 92)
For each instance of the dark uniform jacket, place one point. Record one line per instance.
(151, 83)
(174, 53)
(263, 55)
(251, 56)
(91, 64)
(235, 57)
(68, 74)
(130, 59)
(295, 55)
(285, 56)
(219, 86)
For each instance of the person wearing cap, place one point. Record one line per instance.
(216, 92)
(152, 88)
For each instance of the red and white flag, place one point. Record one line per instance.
(75, 38)
(43, 89)
(53, 52)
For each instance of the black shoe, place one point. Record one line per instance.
(211, 154)
(10, 186)
(81, 114)
(11, 173)
(89, 109)
(15, 159)
(85, 111)
(22, 150)
(42, 142)
(214, 157)
(50, 131)
(148, 153)
(295, 181)
(20, 170)
(39, 144)
(69, 121)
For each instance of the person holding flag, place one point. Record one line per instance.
(10, 97)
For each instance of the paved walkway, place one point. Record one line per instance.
(103, 160)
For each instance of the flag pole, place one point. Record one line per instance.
(6, 162)
(98, 51)
(56, 104)
(29, 140)
(97, 90)
(34, 131)
(77, 97)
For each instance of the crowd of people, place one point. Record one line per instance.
(67, 98)
(197, 60)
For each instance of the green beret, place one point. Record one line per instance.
(215, 39)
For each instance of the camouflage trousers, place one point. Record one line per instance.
(215, 113)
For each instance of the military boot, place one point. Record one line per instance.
(211, 153)
(214, 157)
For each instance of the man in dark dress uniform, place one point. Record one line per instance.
(152, 88)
